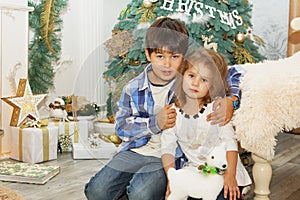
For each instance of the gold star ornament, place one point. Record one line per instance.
(24, 104)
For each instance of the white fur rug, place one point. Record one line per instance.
(270, 103)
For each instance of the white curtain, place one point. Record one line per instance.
(89, 81)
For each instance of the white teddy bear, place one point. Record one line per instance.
(204, 182)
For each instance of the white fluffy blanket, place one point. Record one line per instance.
(270, 103)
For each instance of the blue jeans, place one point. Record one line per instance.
(137, 176)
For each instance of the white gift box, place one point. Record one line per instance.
(105, 150)
(34, 145)
(104, 128)
(78, 130)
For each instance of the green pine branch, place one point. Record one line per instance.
(40, 56)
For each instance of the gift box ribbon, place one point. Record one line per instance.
(45, 139)
(35, 124)
(67, 129)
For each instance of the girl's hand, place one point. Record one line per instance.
(168, 191)
(231, 189)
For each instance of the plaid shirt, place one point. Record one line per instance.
(233, 79)
(135, 121)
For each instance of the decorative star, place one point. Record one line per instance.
(24, 104)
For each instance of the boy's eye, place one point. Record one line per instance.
(204, 80)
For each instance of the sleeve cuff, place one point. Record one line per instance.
(153, 125)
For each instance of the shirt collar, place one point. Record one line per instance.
(145, 84)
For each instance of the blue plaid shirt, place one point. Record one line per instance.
(135, 120)
(233, 79)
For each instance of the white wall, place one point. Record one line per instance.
(87, 25)
(270, 22)
(13, 59)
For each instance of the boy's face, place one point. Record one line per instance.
(165, 65)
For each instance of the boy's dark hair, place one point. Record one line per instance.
(167, 34)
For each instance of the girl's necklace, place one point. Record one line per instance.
(194, 116)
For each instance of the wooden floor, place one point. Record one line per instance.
(69, 183)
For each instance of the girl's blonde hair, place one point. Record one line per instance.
(217, 66)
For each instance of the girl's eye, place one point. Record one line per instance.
(191, 75)
(204, 80)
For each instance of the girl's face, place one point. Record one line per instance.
(196, 82)
(165, 65)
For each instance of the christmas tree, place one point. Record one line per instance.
(222, 25)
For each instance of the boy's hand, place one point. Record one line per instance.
(222, 112)
(166, 117)
(167, 194)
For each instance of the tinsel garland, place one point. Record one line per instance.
(45, 47)
(47, 23)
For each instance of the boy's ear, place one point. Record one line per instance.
(147, 55)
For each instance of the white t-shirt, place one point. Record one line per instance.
(160, 97)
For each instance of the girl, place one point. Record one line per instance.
(201, 79)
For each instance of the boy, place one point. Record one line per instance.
(144, 111)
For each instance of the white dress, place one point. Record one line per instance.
(191, 132)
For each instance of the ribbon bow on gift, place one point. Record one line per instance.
(35, 124)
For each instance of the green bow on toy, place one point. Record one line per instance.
(210, 170)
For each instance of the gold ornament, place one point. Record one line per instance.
(114, 138)
(147, 3)
(24, 103)
(147, 11)
(240, 37)
(134, 62)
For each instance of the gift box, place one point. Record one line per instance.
(34, 145)
(78, 130)
(104, 150)
(104, 128)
